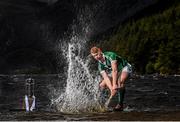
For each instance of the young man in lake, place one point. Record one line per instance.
(114, 70)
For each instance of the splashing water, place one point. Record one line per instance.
(82, 89)
(81, 93)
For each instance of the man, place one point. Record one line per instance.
(114, 70)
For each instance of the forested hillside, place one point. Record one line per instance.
(151, 43)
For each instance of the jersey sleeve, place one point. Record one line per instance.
(101, 68)
(113, 57)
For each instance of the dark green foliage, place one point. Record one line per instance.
(151, 44)
(150, 68)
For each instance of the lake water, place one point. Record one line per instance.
(144, 94)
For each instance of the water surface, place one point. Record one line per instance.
(147, 98)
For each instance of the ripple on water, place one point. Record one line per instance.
(145, 89)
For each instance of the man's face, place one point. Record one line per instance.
(97, 56)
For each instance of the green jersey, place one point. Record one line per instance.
(109, 57)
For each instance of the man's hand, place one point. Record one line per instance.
(113, 92)
(115, 87)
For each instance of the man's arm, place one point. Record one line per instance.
(107, 80)
(114, 73)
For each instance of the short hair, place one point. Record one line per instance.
(95, 50)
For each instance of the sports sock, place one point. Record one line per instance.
(121, 92)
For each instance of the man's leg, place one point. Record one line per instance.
(107, 84)
(104, 92)
(123, 77)
(121, 89)
(112, 99)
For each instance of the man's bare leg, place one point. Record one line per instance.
(103, 85)
(123, 77)
(121, 89)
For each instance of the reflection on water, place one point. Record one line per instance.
(143, 94)
(43, 115)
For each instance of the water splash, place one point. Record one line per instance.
(81, 93)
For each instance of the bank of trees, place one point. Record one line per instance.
(151, 44)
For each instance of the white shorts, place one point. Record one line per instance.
(127, 68)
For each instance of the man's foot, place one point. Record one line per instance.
(118, 107)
